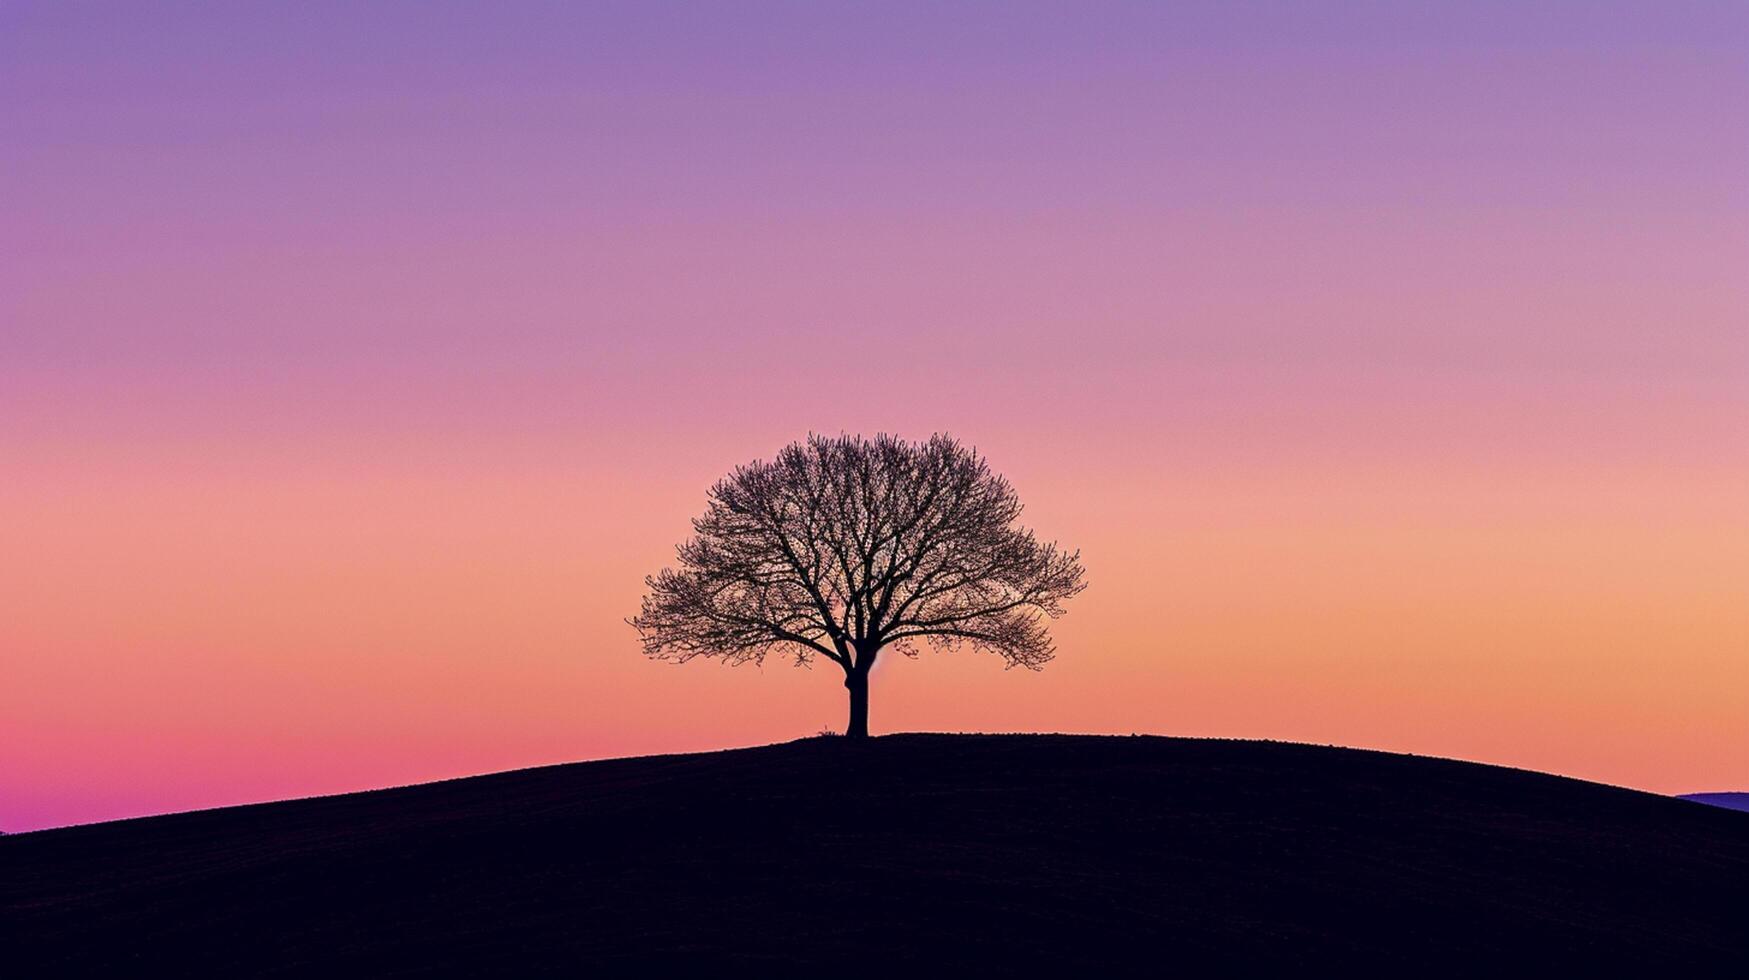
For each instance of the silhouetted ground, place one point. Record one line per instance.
(1730, 801)
(925, 854)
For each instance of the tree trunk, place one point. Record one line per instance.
(857, 682)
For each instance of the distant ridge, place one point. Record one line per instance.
(907, 855)
(1730, 801)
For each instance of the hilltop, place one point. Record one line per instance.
(932, 853)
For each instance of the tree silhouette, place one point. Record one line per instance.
(844, 547)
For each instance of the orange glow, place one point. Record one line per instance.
(215, 636)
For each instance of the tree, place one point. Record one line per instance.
(845, 547)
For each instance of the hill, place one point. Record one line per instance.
(1730, 801)
(923, 853)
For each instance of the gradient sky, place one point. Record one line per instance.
(1389, 363)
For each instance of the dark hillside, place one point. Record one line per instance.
(922, 853)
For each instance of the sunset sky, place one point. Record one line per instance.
(1388, 362)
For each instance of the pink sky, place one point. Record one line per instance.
(1389, 367)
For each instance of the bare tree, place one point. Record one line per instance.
(845, 547)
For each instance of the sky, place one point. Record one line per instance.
(1388, 363)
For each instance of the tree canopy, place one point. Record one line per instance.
(841, 547)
